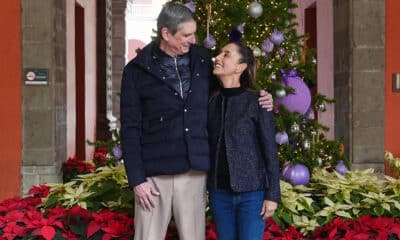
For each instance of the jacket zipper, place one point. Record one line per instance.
(179, 77)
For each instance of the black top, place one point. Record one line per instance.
(223, 179)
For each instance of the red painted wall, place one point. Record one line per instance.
(392, 58)
(10, 99)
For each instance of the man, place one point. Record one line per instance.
(164, 101)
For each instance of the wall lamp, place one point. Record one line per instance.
(396, 82)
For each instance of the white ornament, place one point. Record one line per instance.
(306, 144)
(280, 93)
(273, 76)
(295, 128)
(319, 161)
(321, 107)
(255, 9)
(314, 61)
(313, 132)
(257, 51)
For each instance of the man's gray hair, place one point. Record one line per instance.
(171, 16)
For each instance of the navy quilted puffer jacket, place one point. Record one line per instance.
(161, 132)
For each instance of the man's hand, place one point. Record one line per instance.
(145, 193)
(268, 209)
(266, 100)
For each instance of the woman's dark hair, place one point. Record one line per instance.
(247, 78)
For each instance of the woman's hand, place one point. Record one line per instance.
(268, 209)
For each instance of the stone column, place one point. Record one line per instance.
(44, 106)
(118, 49)
(359, 54)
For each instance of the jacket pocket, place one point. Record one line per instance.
(154, 124)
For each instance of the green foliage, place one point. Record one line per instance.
(331, 195)
(394, 163)
(105, 188)
(328, 195)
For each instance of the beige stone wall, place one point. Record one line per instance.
(44, 106)
(359, 53)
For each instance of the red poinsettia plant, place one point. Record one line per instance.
(75, 166)
(100, 156)
(23, 218)
(366, 227)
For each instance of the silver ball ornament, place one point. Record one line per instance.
(295, 128)
(321, 107)
(306, 144)
(257, 51)
(255, 9)
(280, 93)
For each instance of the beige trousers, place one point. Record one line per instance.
(184, 197)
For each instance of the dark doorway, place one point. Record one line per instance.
(102, 132)
(80, 140)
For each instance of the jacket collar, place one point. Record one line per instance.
(145, 58)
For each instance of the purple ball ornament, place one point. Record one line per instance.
(277, 37)
(281, 51)
(281, 138)
(209, 41)
(191, 5)
(299, 175)
(267, 46)
(310, 114)
(300, 99)
(240, 27)
(341, 168)
(117, 152)
(286, 171)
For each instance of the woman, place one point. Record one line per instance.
(243, 182)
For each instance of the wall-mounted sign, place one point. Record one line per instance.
(36, 76)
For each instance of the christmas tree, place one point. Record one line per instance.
(285, 68)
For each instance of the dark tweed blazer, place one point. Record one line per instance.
(250, 144)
